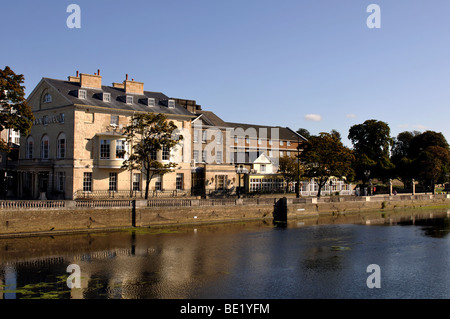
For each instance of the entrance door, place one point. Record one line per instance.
(43, 183)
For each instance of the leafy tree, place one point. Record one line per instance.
(325, 156)
(289, 168)
(15, 113)
(148, 133)
(371, 143)
(422, 156)
(304, 132)
(433, 164)
(402, 157)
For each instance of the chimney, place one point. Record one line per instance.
(91, 81)
(74, 78)
(133, 87)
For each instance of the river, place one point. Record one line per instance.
(305, 258)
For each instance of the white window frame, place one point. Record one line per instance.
(106, 97)
(129, 99)
(82, 94)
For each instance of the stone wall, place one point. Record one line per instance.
(70, 216)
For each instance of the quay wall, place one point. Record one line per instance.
(24, 218)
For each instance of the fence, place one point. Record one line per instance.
(106, 194)
(22, 204)
(178, 202)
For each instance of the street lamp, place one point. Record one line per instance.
(297, 185)
(367, 174)
(240, 170)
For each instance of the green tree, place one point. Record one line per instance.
(402, 157)
(422, 156)
(304, 132)
(288, 166)
(371, 144)
(325, 156)
(434, 165)
(149, 133)
(15, 113)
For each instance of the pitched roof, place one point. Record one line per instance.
(284, 133)
(118, 98)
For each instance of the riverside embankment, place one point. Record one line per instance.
(29, 218)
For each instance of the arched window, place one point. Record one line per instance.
(45, 147)
(29, 147)
(47, 98)
(61, 145)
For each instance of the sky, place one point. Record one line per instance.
(300, 64)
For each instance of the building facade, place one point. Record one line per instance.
(75, 147)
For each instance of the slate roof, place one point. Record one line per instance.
(284, 133)
(118, 98)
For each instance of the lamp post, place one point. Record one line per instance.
(297, 185)
(367, 174)
(240, 170)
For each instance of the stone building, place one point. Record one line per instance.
(75, 146)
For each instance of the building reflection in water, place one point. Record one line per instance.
(183, 261)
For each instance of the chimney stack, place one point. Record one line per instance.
(91, 81)
(74, 78)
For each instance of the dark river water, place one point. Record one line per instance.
(309, 258)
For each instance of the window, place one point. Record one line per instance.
(288, 143)
(87, 182)
(281, 153)
(196, 156)
(219, 137)
(136, 182)
(61, 145)
(263, 168)
(171, 104)
(158, 183)
(29, 148)
(288, 153)
(61, 181)
(153, 154)
(129, 99)
(204, 136)
(114, 120)
(247, 140)
(121, 149)
(281, 143)
(270, 142)
(236, 140)
(259, 141)
(106, 97)
(45, 145)
(179, 182)
(221, 182)
(218, 157)
(165, 153)
(204, 154)
(47, 98)
(104, 149)
(61, 118)
(113, 182)
(82, 94)
(195, 136)
(151, 102)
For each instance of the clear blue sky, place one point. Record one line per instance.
(252, 61)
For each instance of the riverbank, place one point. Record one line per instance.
(68, 217)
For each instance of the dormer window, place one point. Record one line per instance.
(129, 99)
(171, 104)
(82, 94)
(151, 102)
(47, 98)
(106, 97)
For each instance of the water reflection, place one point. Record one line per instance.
(310, 258)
